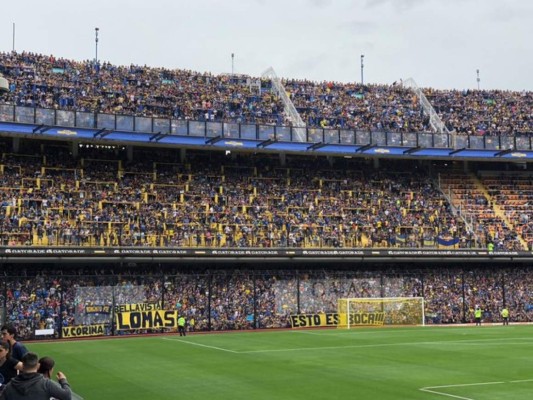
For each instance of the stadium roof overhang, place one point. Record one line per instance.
(106, 136)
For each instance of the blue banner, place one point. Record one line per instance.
(447, 241)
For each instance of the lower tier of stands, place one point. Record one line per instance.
(70, 299)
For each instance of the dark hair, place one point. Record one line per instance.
(5, 344)
(10, 329)
(30, 360)
(45, 365)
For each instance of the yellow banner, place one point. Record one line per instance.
(335, 319)
(121, 308)
(146, 319)
(98, 309)
(83, 331)
(369, 318)
(309, 320)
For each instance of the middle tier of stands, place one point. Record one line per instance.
(99, 198)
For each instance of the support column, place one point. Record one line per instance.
(129, 153)
(16, 145)
(183, 155)
(74, 146)
(283, 159)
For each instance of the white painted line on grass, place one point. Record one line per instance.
(445, 394)
(363, 346)
(360, 346)
(202, 345)
(308, 332)
(429, 388)
(464, 385)
(522, 380)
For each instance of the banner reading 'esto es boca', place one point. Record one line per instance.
(336, 319)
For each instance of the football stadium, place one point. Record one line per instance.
(169, 233)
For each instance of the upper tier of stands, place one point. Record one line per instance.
(46, 81)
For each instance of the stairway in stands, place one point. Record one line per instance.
(512, 197)
(475, 204)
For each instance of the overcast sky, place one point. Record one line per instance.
(439, 43)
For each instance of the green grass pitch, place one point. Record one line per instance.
(459, 362)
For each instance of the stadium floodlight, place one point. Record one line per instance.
(477, 72)
(362, 66)
(380, 311)
(96, 44)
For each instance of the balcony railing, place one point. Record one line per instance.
(129, 123)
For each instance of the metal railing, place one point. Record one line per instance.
(290, 110)
(434, 119)
(179, 127)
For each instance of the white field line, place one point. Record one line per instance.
(444, 394)
(330, 333)
(308, 332)
(428, 388)
(202, 345)
(464, 329)
(363, 346)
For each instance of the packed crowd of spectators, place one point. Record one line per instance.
(222, 299)
(489, 206)
(513, 194)
(484, 112)
(209, 200)
(49, 82)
